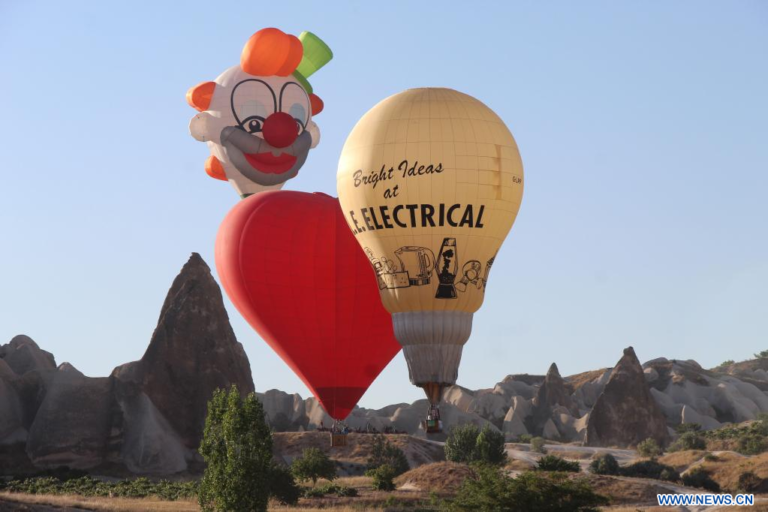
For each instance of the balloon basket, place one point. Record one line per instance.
(338, 439)
(433, 424)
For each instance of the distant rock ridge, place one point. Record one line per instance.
(147, 417)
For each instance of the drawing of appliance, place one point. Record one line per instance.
(470, 274)
(487, 271)
(447, 266)
(418, 262)
(386, 272)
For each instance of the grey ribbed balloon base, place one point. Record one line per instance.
(432, 342)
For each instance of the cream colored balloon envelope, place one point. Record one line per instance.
(430, 181)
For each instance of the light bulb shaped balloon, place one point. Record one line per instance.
(430, 181)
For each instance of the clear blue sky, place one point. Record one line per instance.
(643, 128)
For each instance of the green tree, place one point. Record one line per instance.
(687, 427)
(313, 465)
(461, 443)
(237, 447)
(555, 463)
(492, 490)
(383, 477)
(649, 448)
(489, 446)
(604, 464)
(385, 453)
(688, 441)
(761, 355)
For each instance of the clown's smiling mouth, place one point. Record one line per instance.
(269, 163)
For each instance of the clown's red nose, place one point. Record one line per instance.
(280, 130)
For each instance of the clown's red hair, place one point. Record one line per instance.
(271, 52)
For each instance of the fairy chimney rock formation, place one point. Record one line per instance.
(625, 412)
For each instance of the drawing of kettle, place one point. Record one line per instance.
(418, 262)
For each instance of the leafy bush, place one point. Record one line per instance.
(492, 490)
(751, 444)
(313, 465)
(466, 443)
(330, 488)
(604, 464)
(649, 448)
(762, 354)
(386, 453)
(237, 446)
(650, 469)
(728, 362)
(748, 482)
(461, 442)
(88, 486)
(698, 477)
(710, 457)
(555, 463)
(283, 486)
(688, 441)
(489, 446)
(382, 478)
(524, 438)
(687, 427)
(537, 444)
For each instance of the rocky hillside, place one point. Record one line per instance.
(617, 406)
(147, 416)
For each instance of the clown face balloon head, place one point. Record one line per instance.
(257, 117)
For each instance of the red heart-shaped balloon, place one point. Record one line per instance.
(293, 269)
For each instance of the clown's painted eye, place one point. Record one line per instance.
(253, 124)
(300, 126)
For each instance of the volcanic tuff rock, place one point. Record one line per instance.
(147, 416)
(626, 413)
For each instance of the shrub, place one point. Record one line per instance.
(649, 448)
(537, 444)
(728, 362)
(710, 457)
(461, 442)
(751, 444)
(524, 438)
(313, 465)
(492, 490)
(466, 443)
(748, 482)
(687, 427)
(604, 464)
(762, 354)
(386, 453)
(650, 469)
(382, 478)
(688, 441)
(330, 488)
(698, 477)
(237, 447)
(555, 463)
(88, 486)
(489, 446)
(283, 486)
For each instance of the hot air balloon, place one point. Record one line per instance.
(257, 117)
(293, 270)
(430, 181)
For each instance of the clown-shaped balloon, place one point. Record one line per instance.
(257, 117)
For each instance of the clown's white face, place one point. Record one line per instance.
(259, 128)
